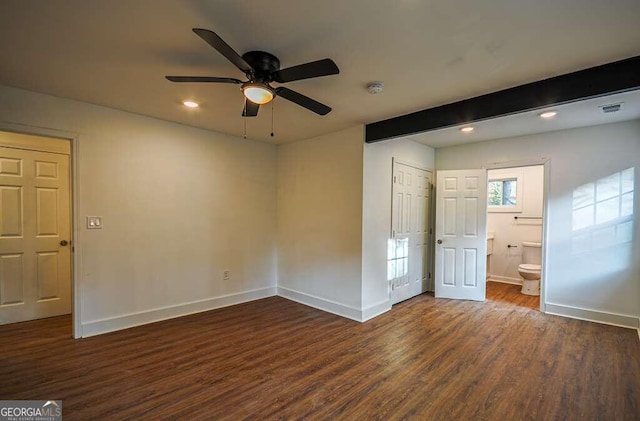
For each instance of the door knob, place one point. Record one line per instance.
(439, 241)
(64, 243)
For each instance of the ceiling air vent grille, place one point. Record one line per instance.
(611, 108)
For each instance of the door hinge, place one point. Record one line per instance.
(430, 231)
(73, 249)
(393, 233)
(394, 178)
(429, 275)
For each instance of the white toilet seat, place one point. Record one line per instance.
(528, 267)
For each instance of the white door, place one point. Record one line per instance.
(398, 247)
(420, 239)
(408, 246)
(461, 220)
(35, 256)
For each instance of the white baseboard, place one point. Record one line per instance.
(126, 321)
(375, 310)
(621, 320)
(504, 279)
(321, 303)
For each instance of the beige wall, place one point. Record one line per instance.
(320, 221)
(179, 205)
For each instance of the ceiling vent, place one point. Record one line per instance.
(611, 108)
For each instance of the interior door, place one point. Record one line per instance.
(420, 240)
(35, 256)
(410, 243)
(398, 259)
(461, 220)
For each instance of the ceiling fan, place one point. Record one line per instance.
(261, 69)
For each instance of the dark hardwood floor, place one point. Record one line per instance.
(272, 359)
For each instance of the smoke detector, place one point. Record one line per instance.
(611, 108)
(375, 87)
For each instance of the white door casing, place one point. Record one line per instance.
(409, 244)
(461, 220)
(35, 267)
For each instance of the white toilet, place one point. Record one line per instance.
(531, 268)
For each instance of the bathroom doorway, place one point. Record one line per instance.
(515, 234)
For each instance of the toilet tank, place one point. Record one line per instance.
(532, 252)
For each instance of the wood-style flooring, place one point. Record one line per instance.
(273, 359)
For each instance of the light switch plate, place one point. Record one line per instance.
(94, 222)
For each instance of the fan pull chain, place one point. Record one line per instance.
(245, 127)
(272, 105)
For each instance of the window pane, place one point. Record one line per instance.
(608, 187)
(583, 195)
(607, 210)
(509, 192)
(494, 193)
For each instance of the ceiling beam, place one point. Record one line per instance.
(616, 77)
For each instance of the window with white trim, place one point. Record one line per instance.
(504, 190)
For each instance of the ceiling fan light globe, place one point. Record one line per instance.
(258, 94)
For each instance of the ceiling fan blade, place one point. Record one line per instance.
(223, 48)
(303, 101)
(203, 79)
(324, 67)
(250, 109)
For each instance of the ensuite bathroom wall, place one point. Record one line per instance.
(502, 264)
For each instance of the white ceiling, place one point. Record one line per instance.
(116, 53)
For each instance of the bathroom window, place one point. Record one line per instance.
(504, 190)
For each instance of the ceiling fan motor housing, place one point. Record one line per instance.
(263, 63)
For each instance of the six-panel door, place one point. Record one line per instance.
(35, 266)
(461, 220)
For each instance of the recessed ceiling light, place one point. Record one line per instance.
(467, 129)
(548, 114)
(190, 104)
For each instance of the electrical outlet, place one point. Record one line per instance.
(226, 275)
